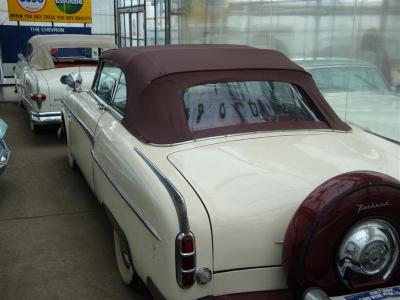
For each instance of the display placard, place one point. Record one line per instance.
(58, 11)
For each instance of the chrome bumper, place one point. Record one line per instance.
(4, 156)
(46, 117)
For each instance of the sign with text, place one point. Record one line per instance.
(58, 11)
(10, 46)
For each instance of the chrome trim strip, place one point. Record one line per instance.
(80, 122)
(134, 208)
(251, 134)
(177, 198)
(46, 114)
(46, 120)
(106, 105)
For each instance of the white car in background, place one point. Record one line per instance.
(358, 93)
(37, 76)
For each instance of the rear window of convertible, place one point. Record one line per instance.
(215, 105)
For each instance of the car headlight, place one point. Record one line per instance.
(370, 248)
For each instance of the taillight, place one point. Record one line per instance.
(185, 259)
(38, 97)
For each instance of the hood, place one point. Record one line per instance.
(379, 113)
(57, 89)
(251, 188)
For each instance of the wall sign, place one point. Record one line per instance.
(10, 46)
(59, 11)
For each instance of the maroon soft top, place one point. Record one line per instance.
(158, 76)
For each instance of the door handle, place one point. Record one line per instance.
(101, 107)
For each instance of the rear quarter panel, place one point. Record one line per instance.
(115, 148)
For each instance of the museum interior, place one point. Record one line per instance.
(112, 113)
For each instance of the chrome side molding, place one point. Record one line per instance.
(177, 198)
(80, 122)
(125, 197)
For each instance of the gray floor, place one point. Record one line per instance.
(7, 94)
(55, 241)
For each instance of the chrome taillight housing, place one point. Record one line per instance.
(185, 259)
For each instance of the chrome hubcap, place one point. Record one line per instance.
(370, 248)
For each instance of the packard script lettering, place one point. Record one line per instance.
(362, 207)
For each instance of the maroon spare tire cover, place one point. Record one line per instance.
(315, 232)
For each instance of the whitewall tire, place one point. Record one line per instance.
(124, 265)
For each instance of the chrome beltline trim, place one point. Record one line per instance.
(134, 208)
(83, 126)
(177, 198)
(243, 135)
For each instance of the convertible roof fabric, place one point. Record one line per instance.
(41, 44)
(158, 76)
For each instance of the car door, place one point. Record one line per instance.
(87, 109)
(118, 178)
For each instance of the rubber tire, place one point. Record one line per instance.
(128, 274)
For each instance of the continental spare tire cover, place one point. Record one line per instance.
(317, 230)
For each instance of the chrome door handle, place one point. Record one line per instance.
(101, 107)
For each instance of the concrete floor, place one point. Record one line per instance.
(55, 241)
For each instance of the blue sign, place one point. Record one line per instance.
(379, 294)
(11, 46)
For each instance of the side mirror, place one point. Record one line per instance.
(64, 79)
(73, 80)
(3, 129)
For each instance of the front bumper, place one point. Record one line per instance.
(4, 156)
(45, 118)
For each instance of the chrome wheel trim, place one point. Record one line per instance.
(124, 267)
(370, 248)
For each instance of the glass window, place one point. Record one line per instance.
(107, 81)
(234, 103)
(344, 79)
(119, 102)
(72, 55)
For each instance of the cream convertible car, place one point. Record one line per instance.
(224, 172)
(48, 57)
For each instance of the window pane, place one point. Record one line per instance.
(109, 77)
(140, 23)
(134, 26)
(235, 103)
(343, 79)
(127, 28)
(119, 102)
